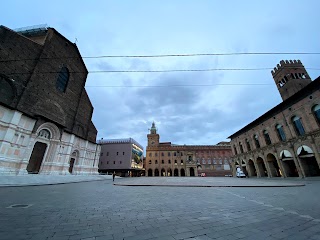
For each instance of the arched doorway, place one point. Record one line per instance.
(182, 172)
(273, 166)
(36, 158)
(191, 172)
(176, 172)
(252, 168)
(261, 167)
(73, 160)
(163, 172)
(169, 172)
(150, 173)
(288, 164)
(308, 161)
(156, 172)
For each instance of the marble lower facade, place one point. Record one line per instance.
(26, 148)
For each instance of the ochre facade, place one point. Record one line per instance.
(166, 159)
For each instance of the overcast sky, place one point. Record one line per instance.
(183, 114)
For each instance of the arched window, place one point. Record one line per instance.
(298, 125)
(162, 154)
(266, 137)
(156, 162)
(162, 161)
(149, 161)
(256, 140)
(280, 131)
(248, 145)
(63, 79)
(44, 133)
(203, 161)
(175, 161)
(316, 112)
(169, 154)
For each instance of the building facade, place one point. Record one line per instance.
(122, 156)
(45, 112)
(285, 141)
(166, 159)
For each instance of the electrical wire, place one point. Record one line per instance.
(167, 55)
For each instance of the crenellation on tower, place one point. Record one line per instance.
(290, 76)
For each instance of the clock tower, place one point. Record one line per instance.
(153, 137)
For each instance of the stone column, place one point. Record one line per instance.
(316, 154)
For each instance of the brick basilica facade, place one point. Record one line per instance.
(285, 141)
(166, 159)
(45, 111)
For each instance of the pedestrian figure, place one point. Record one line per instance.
(113, 176)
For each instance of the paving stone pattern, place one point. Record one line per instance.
(99, 210)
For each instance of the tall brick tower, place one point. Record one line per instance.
(290, 77)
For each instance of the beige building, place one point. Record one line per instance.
(285, 141)
(167, 159)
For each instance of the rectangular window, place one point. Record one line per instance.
(181, 161)
(168, 154)
(162, 154)
(156, 154)
(281, 134)
(120, 162)
(174, 154)
(150, 154)
(169, 161)
(248, 145)
(107, 153)
(117, 153)
(114, 162)
(122, 153)
(299, 128)
(235, 150)
(241, 148)
(267, 138)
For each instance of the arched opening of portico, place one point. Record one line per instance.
(182, 172)
(261, 167)
(176, 172)
(163, 172)
(252, 168)
(273, 166)
(288, 164)
(169, 172)
(150, 172)
(308, 161)
(156, 172)
(244, 167)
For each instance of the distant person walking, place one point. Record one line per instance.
(113, 176)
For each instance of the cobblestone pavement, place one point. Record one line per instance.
(37, 180)
(211, 182)
(99, 210)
